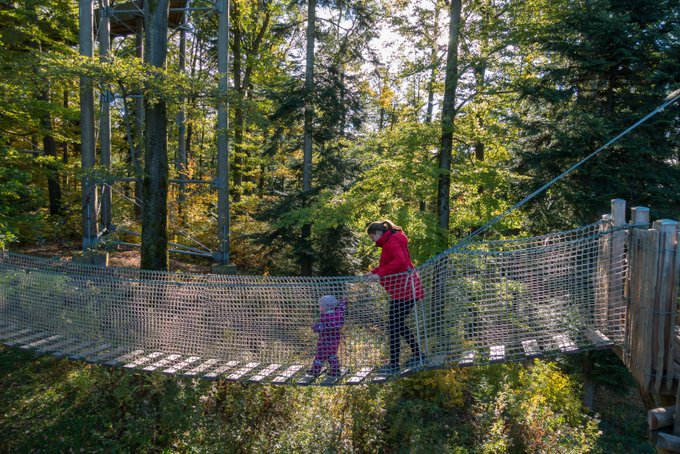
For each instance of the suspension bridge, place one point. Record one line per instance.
(611, 284)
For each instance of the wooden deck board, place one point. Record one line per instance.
(162, 363)
(204, 366)
(7, 329)
(288, 374)
(330, 380)
(40, 342)
(91, 351)
(220, 370)
(72, 349)
(135, 363)
(565, 344)
(107, 355)
(360, 375)
(181, 365)
(54, 347)
(497, 353)
(27, 339)
(238, 374)
(307, 379)
(531, 348)
(7, 337)
(124, 358)
(467, 358)
(598, 339)
(264, 373)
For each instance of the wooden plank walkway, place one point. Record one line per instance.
(155, 361)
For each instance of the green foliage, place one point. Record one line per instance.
(534, 409)
(130, 75)
(20, 199)
(607, 67)
(59, 405)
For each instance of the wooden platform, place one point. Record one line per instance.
(124, 16)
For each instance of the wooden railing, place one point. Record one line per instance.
(651, 350)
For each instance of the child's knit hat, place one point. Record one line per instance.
(328, 303)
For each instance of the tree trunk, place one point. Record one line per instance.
(222, 155)
(87, 139)
(155, 183)
(64, 146)
(448, 117)
(434, 63)
(588, 383)
(238, 108)
(306, 257)
(181, 162)
(50, 149)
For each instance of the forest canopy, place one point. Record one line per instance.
(386, 120)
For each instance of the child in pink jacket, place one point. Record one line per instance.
(330, 323)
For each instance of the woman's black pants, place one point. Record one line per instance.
(399, 310)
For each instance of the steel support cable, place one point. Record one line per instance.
(670, 99)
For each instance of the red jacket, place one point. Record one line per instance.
(396, 259)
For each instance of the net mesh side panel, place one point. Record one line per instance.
(490, 301)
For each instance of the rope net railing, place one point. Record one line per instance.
(489, 301)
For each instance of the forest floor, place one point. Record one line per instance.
(123, 257)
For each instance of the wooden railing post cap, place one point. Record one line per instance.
(639, 215)
(665, 225)
(618, 212)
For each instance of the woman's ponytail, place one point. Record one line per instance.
(389, 225)
(383, 226)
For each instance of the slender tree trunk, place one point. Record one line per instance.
(155, 183)
(238, 108)
(196, 53)
(49, 144)
(434, 63)
(181, 162)
(64, 146)
(87, 139)
(139, 127)
(306, 258)
(448, 117)
(50, 149)
(243, 70)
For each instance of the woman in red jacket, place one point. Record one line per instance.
(395, 274)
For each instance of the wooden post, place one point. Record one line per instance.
(665, 304)
(610, 305)
(658, 418)
(654, 264)
(639, 220)
(640, 217)
(616, 306)
(601, 289)
(642, 271)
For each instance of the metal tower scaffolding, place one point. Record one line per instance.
(128, 19)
